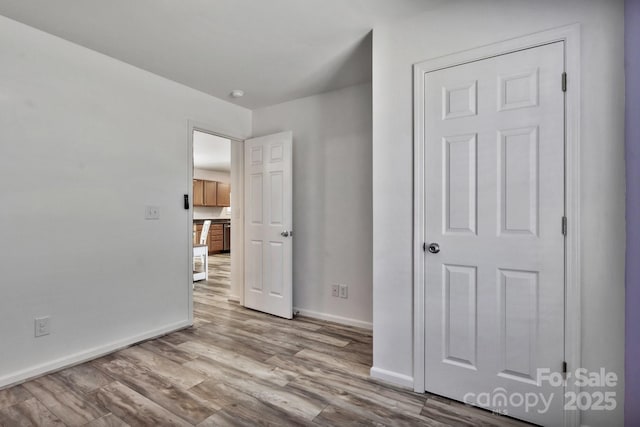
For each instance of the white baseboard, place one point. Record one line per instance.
(392, 377)
(333, 318)
(233, 298)
(85, 356)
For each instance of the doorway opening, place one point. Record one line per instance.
(216, 224)
(222, 208)
(212, 212)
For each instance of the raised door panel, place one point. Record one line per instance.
(224, 194)
(460, 190)
(460, 322)
(460, 100)
(210, 193)
(198, 192)
(255, 192)
(518, 184)
(519, 319)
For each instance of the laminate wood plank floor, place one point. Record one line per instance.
(235, 367)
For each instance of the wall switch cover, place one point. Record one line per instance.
(335, 291)
(42, 326)
(152, 212)
(344, 291)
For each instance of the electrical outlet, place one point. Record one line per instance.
(152, 212)
(42, 326)
(344, 291)
(335, 290)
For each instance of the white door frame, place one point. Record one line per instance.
(237, 195)
(570, 35)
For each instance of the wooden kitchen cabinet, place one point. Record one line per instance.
(223, 194)
(210, 193)
(216, 238)
(198, 192)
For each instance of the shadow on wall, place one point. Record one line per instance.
(344, 69)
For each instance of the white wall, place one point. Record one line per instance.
(206, 212)
(331, 199)
(220, 176)
(461, 25)
(85, 143)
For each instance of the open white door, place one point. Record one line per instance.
(268, 220)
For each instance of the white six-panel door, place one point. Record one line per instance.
(268, 224)
(494, 180)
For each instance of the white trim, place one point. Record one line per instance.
(333, 318)
(419, 233)
(191, 126)
(237, 221)
(573, 304)
(209, 128)
(570, 35)
(392, 377)
(84, 356)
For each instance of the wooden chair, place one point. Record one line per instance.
(202, 251)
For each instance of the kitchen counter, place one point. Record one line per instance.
(213, 220)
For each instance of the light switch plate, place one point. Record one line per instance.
(335, 290)
(152, 212)
(344, 291)
(42, 326)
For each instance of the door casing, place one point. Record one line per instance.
(237, 169)
(570, 35)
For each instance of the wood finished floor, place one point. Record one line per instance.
(235, 367)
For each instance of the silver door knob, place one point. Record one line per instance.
(433, 248)
(285, 234)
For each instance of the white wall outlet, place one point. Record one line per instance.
(42, 325)
(335, 291)
(152, 212)
(344, 291)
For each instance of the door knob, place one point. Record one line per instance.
(434, 248)
(285, 234)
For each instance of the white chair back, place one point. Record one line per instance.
(205, 232)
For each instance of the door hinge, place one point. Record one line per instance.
(564, 367)
(564, 82)
(186, 201)
(564, 225)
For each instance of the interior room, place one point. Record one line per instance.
(319, 212)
